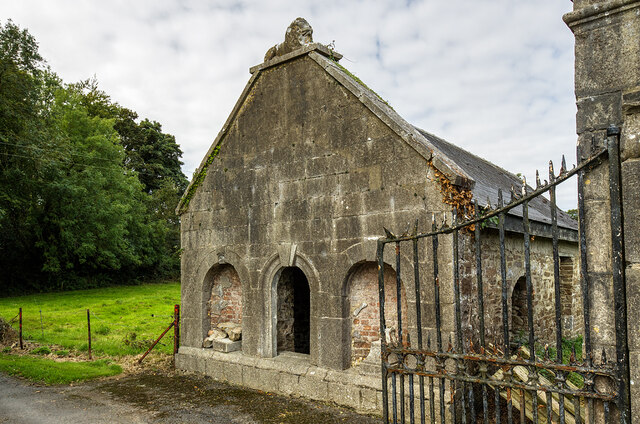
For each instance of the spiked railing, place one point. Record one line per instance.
(533, 381)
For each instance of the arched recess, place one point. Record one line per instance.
(211, 261)
(364, 307)
(519, 310)
(225, 299)
(273, 269)
(568, 289)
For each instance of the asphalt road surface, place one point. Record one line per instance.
(158, 398)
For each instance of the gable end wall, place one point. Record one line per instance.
(304, 163)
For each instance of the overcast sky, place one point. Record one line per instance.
(493, 76)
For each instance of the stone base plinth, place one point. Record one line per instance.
(287, 374)
(226, 345)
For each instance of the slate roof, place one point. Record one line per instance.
(461, 167)
(489, 178)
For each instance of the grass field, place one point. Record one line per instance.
(124, 320)
(52, 372)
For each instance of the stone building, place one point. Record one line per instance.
(607, 89)
(280, 222)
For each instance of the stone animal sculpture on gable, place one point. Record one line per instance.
(298, 34)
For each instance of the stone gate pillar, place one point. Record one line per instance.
(607, 87)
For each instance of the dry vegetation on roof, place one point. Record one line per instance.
(455, 196)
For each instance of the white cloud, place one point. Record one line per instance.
(495, 77)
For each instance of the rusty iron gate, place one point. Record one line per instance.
(434, 372)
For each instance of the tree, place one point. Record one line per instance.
(24, 83)
(154, 155)
(573, 213)
(74, 210)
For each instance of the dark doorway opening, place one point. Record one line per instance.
(294, 306)
(519, 311)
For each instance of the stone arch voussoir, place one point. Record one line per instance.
(267, 285)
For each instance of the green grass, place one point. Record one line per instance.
(51, 372)
(568, 347)
(116, 314)
(42, 350)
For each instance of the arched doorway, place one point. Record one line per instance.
(519, 310)
(293, 311)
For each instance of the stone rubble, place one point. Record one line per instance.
(225, 330)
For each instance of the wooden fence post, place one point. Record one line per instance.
(20, 314)
(176, 329)
(89, 332)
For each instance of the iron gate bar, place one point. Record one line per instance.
(399, 315)
(533, 374)
(607, 371)
(482, 366)
(556, 283)
(584, 284)
(436, 290)
(619, 289)
(505, 307)
(385, 392)
(463, 376)
(416, 279)
(458, 312)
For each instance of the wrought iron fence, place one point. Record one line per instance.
(460, 375)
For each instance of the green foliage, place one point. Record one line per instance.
(573, 213)
(145, 309)
(152, 154)
(41, 350)
(51, 372)
(86, 192)
(568, 347)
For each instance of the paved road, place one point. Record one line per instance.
(151, 398)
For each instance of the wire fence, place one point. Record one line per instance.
(72, 330)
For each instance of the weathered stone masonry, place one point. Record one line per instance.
(607, 86)
(542, 282)
(279, 230)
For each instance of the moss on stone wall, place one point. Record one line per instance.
(359, 81)
(198, 179)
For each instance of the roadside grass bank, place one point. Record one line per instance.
(48, 371)
(124, 320)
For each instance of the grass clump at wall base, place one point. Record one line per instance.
(116, 313)
(51, 372)
(42, 350)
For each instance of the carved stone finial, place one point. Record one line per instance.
(298, 34)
